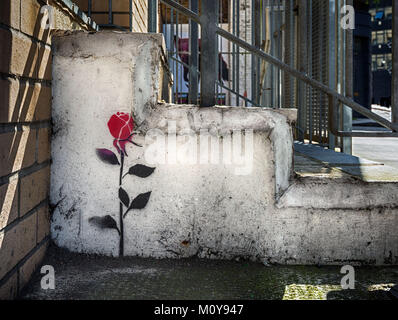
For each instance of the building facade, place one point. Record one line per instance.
(381, 16)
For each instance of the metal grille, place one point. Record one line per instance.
(318, 68)
(251, 39)
(289, 83)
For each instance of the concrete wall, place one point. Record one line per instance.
(196, 206)
(25, 118)
(192, 204)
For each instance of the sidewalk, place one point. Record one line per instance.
(79, 276)
(384, 150)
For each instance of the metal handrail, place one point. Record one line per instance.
(333, 95)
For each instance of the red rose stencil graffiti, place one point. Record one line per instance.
(121, 126)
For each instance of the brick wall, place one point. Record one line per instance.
(25, 133)
(120, 10)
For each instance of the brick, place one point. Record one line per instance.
(9, 95)
(30, 17)
(121, 20)
(44, 100)
(18, 54)
(141, 11)
(21, 102)
(30, 266)
(100, 18)
(82, 4)
(9, 203)
(31, 21)
(17, 150)
(16, 243)
(44, 145)
(9, 290)
(34, 189)
(120, 5)
(100, 5)
(44, 63)
(43, 223)
(10, 13)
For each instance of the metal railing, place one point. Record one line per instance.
(336, 101)
(110, 13)
(265, 53)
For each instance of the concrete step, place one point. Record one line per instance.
(326, 179)
(195, 206)
(315, 161)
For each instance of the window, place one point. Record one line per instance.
(382, 62)
(388, 13)
(372, 13)
(374, 63)
(389, 61)
(379, 15)
(381, 37)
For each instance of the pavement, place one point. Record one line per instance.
(383, 150)
(88, 277)
(314, 161)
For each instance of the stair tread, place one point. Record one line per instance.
(315, 161)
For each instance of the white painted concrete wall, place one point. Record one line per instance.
(211, 210)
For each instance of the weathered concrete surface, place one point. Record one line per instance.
(87, 277)
(199, 197)
(203, 203)
(114, 71)
(195, 208)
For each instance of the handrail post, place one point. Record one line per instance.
(394, 89)
(193, 60)
(110, 13)
(152, 16)
(333, 119)
(301, 86)
(349, 79)
(208, 55)
(131, 15)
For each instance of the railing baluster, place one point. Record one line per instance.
(194, 55)
(238, 54)
(349, 78)
(302, 107)
(131, 15)
(209, 50)
(318, 91)
(90, 7)
(394, 90)
(152, 15)
(110, 15)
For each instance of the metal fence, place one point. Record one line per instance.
(309, 40)
(242, 78)
(265, 53)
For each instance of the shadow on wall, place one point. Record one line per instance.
(25, 115)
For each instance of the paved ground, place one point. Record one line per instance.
(79, 276)
(384, 150)
(315, 161)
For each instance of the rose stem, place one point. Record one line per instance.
(121, 243)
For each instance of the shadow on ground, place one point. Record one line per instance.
(80, 276)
